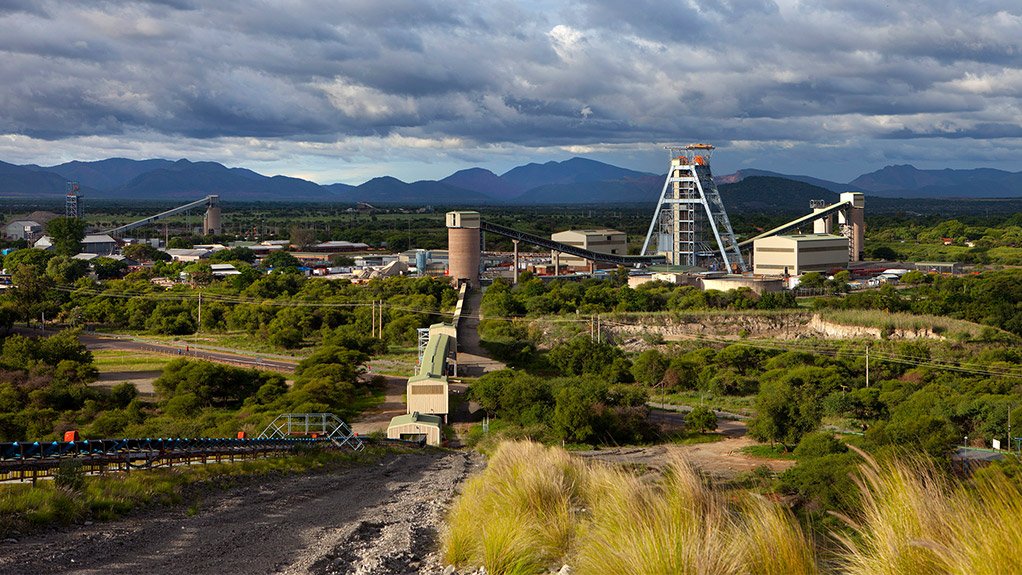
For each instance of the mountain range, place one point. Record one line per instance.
(573, 181)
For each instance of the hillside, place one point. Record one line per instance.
(573, 181)
(910, 182)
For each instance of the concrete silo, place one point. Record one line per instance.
(463, 247)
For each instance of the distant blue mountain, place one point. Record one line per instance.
(573, 181)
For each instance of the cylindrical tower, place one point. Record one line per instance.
(463, 247)
(211, 221)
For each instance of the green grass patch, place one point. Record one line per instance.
(742, 405)
(24, 507)
(118, 360)
(767, 452)
(694, 438)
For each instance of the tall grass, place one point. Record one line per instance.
(915, 521)
(535, 507)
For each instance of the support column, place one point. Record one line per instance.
(557, 263)
(514, 272)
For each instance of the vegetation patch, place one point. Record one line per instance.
(536, 508)
(72, 497)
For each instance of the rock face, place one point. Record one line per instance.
(640, 332)
(840, 331)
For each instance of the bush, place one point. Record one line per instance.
(70, 475)
(701, 419)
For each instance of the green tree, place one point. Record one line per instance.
(649, 367)
(238, 254)
(109, 268)
(281, 261)
(66, 235)
(144, 253)
(782, 414)
(812, 280)
(701, 419)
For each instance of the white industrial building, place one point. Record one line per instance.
(604, 241)
(23, 230)
(798, 254)
(99, 244)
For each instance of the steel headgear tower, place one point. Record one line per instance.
(74, 202)
(690, 224)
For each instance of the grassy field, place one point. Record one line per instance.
(742, 405)
(116, 360)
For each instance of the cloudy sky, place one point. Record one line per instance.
(345, 90)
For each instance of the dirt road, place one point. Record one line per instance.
(375, 519)
(378, 418)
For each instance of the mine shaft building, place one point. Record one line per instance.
(798, 254)
(604, 241)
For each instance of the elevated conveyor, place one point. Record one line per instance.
(207, 202)
(569, 249)
(798, 223)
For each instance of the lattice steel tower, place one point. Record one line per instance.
(690, 224)
(74, 202)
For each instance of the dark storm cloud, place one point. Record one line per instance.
(531, 74)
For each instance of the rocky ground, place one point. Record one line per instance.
(375, 519)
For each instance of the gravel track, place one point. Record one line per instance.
(379, 518)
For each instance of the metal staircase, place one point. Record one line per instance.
(320, 425)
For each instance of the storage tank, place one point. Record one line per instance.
(421, 259)
(463, 247)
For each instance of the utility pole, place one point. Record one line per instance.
(599, 330)
(867, 366)
(198, 327)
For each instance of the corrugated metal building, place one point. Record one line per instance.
(416, 426)
(428, 388)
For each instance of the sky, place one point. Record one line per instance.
(344, 91)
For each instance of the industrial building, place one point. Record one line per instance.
(604, 241)
(798, 254)
(428, 390)
(23, 230)
(100, 244)
(416, 426)
(690, 226)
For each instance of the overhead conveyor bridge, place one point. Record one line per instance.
(798, 223)
(208, 201)
(569, 249)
